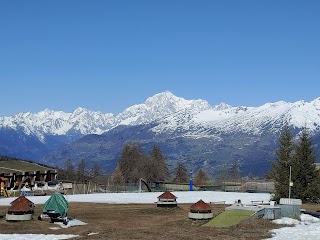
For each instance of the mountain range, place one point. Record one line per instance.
(190, 131)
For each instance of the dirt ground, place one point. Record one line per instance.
(109, 221)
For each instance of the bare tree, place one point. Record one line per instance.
(81, 170)
(180, 173)
(117, 180)
(201, 177)
(69, 170)
(130, 163)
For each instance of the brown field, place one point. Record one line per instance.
(130, 221)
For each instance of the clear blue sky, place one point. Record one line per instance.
(109, 55)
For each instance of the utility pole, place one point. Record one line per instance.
(290, 183)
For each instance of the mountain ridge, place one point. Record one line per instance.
(190, 128)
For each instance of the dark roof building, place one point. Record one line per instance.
(200, 210)
(167, 199)
(21, 209)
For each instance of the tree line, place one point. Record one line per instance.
(133, 165)
(294, 171)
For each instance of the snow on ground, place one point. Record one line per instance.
(35, 236)
(151, 197)
(307, 228)
(71, 222)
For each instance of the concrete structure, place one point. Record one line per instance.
(272, 212)
(200, 211)
(287, 208)
(167, 199)
(290, 207)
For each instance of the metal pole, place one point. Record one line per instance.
(140, 187)
(290, 182)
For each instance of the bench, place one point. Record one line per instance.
(257, 202)
(220, 202)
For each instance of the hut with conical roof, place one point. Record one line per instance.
(167, 199)
(21, 209)
(200, 211)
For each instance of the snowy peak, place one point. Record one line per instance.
(158, 106)
(173, 103)
(84, 121)
(172, 113)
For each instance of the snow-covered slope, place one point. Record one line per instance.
(254, 120)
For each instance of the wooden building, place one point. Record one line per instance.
(18, 172)
(167, 199)
(200, 211)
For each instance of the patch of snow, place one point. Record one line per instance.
(286, 221)
(71, 223)
(36, 236)
(306, 218)
(307, 229)
(151, 197)
(91, 234)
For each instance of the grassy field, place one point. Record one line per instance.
(229, 218)
(18, 165)
(139, 221)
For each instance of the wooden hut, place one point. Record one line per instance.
(167, 199)
(21, 209)
(200, 211)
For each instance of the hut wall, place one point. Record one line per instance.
(200, 216)
(272, 213)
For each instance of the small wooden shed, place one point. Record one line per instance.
(21, 209)
(167, 199)
(200, 211)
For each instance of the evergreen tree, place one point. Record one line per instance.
(180, 173)
(201, 177)
(305, 176)
(281, 168)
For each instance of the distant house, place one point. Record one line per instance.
(17, 171)
(231, 186)
(258, 186)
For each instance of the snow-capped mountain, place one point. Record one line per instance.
(253, 120)
(186, 129)
(83, 121)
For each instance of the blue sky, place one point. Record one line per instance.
(109, 55)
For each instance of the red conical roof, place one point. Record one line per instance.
(167, 195)
(200, 205)
(21, 198)
(21, 204)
